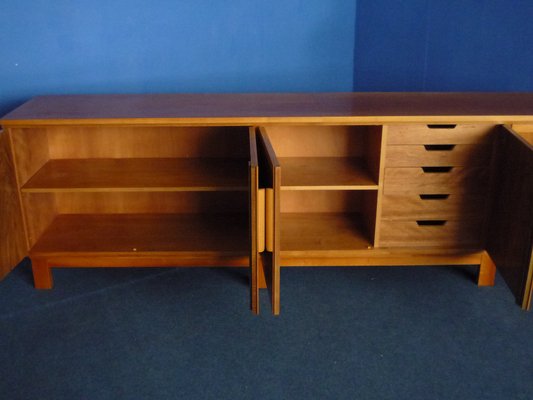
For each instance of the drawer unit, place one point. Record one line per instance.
(434, 185)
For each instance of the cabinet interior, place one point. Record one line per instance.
(329, 185)
(131, 188)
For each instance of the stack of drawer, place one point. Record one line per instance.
(435, 185)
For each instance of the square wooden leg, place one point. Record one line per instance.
(487, 271)
(42, 274)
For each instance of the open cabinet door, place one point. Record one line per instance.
(12, 239)
(510, 236)
(254, 223)
(270, 179)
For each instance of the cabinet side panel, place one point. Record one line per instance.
(13, 247)
(30, 151)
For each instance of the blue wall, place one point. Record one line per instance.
(127, 46)
(99, 46)
(437, 45)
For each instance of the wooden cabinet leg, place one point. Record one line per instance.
(42, 274)
(487, 271)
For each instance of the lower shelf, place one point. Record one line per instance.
(322, 232)
(194, 235)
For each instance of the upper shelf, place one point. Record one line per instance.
(255, 109)
(325, 173)
(140, 174)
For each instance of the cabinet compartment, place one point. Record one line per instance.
(327, 157)
(111, 192)
(107, 158)
(327, 220)
(205, 222)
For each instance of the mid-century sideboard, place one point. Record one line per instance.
(266, 181)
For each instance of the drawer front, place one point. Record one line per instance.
(432, 206)
(437, 155)
(434, 233)
(435, 180)
(439, 134)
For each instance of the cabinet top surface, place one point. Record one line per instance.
(244, 109)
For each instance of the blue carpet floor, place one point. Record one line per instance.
(358, 333)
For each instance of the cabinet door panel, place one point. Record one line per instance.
(270, 179)
(511, 220)
(254, 229)
(13, 247)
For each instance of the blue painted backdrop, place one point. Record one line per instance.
(98, 46)
(103, 46)
(444, 45)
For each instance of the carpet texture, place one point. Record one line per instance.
(343, 333)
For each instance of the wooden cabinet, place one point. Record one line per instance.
(270, 181)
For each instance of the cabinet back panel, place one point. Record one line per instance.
(318, 201)
(318, 141)
(150, 202)
(140, 142)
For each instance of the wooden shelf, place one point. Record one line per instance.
(322, 232)
(325, 173)
(140, 174)
(138, 234)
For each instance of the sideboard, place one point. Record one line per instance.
(265, 181)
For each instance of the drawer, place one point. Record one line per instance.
(435, 233)
(432, 206)
(417, 155)
(436, 180)
(439, 134)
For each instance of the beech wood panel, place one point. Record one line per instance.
(322, 201)
(325, 173)
(439, 133)
(404, 256)
(322, 232)
(256, 222)
(450, 206)
(510, 236)
(431, 155)
(381, 180)
(40, 210)
(249, 109)
(525, 131)
(30, 151)
(147, 142)
(13, 245)
(193, 234)
(147, 202)
(140, 174)
(453, 233)
(415, 180)
(317, 141)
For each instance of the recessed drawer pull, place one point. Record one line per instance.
(441, 126)
(439, 147)
(436, 170)
(431, 222)
(434, 196)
